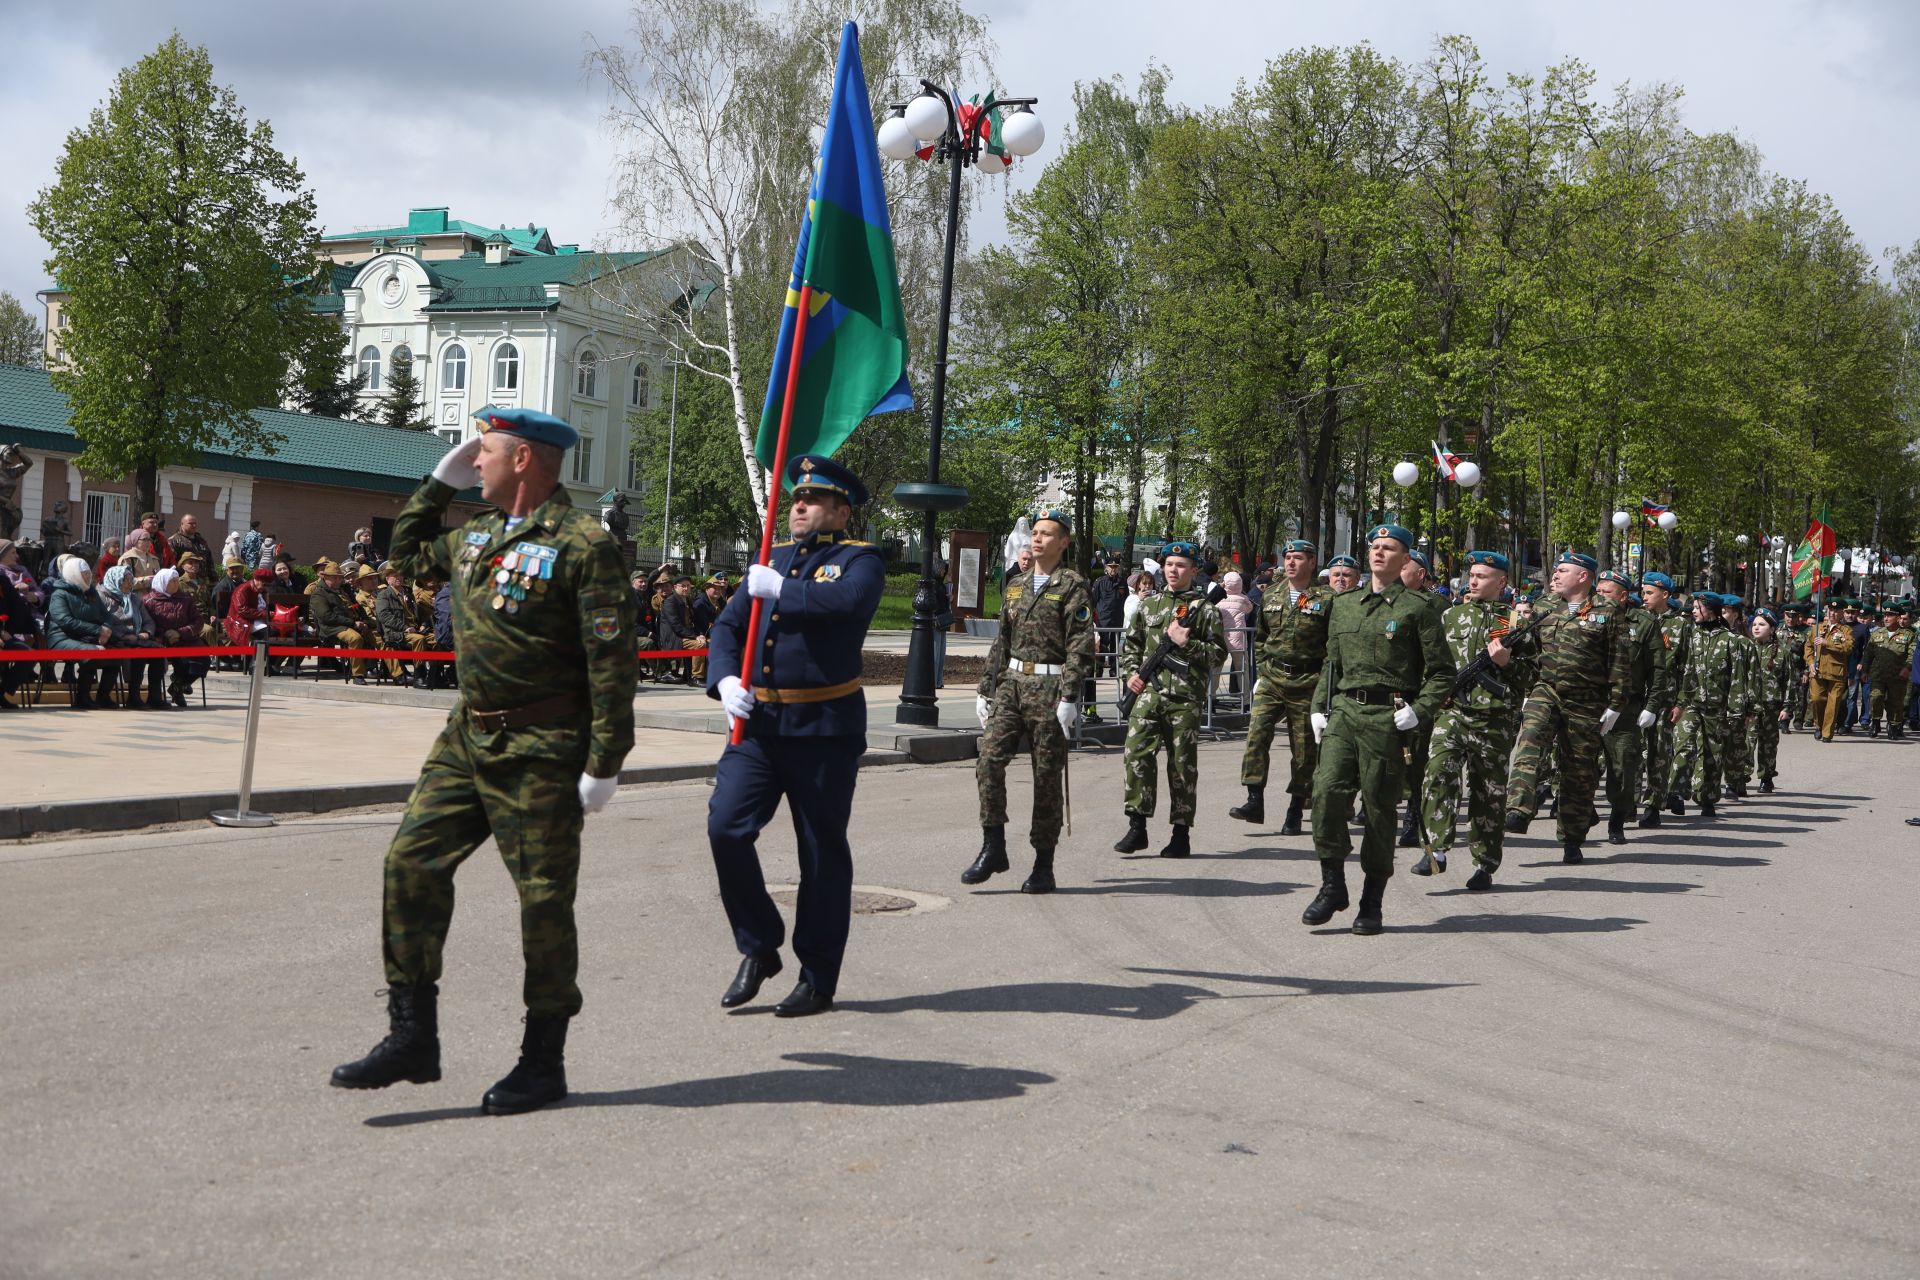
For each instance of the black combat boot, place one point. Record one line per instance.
(1651, 818)
(1255, 809)
(1040, 879)
(1177, 844)
(1766, 786)
(1291, 827)
(1366, 921)
(540, 1076)
(1675, 805)
(1617, 829)
(1873, 728)
(1706, 807)
(1136, 838)
(1896, 732)
(1481, 880)
(1570, 852)
(1409, 837)
(83, 690)
(1432, 863)
(411, 1051)
(1332, 897)
(1516, 822)
(992, 858)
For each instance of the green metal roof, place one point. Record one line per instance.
(329, 451)
(434, 222)
(518, 284)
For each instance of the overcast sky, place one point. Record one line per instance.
(484, 106)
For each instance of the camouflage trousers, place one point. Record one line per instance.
(1160, 723)
(1622, 752)
(1889, 696)
(1736, 757)
(1797, 701)
(1023, 706)
(1567, 737)
(1699, 741)
(1656, 750)
(1361, 754)
(1766, 742)
(521, 786)
(1825, 703)
(1277, 698)
(1470, 747)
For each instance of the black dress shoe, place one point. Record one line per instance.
(746, 983)
(802, 1001)
(1430, 864)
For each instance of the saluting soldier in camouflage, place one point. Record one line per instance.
(1582, 689)
(1737, 755)
(1706, 696)
(1166, 716)
(543, 621)
(1290, 642)
(1773, 677)
(1888, 665)
(1647, 700)
(1473, 734)
(1031, 689)
(1656, 590)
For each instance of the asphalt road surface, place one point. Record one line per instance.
(1691, 1056)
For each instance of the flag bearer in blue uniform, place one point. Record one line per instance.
(806, 728)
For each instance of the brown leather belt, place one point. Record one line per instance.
(540, 712)
(825, 693)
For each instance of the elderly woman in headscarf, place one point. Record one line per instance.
(133, 627)
(77, 619)
(176, 618)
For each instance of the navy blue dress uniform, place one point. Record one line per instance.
(803, 739)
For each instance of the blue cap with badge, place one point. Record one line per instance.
(1186, 549)
(1491, 559)
(529, 424)
(1617, 578)
(1656, 579)
(1056, 514)
(1300, 545)
(1420, 558)
(1579, 560)
(1343, 562)
(1393, 531)
(821, 474)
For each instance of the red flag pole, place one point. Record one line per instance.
(739, 729)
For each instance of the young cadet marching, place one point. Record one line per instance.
(1656, 589)
(1169, 708)
(1579, 695)
(1773, 678)
(1473, 734)
(1706, 697)
(1889, 658)
(1290, 643)
(1417, 576)
(544, 624)
(1031, 689)
(1647, 700)
(1793, 638)
(1827, 646)
(1388, 670)
(1736, 757)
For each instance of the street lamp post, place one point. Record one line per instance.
(1406, 474)
(959, 135)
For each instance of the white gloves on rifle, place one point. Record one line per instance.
(1405, 717)
(1608, 719)
(1319, 723)
(736, 697)
(1646, 719)
(459, 468)
(1068, 714)
(982, 708)
(595, 792)
(763, 582)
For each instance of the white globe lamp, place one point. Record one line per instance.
(1621, 520)
(1668, 521)
(989, 163)
(927, 117)
(1022, 133)
(1406, 474)
(1467, 474)
(896, 139)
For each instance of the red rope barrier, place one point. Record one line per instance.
(273, 651)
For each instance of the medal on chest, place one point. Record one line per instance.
(520, 574)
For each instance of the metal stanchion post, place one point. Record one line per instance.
(244, 816)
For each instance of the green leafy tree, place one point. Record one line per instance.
(21, 338)
(187, 247)
(329, 380)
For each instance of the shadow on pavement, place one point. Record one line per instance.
(1179, 887)
(1097, 999)
(845, 1080)
(1675, 860)
(1307, 986)
(1500, 922)
(1265, 852)
(1579, 884)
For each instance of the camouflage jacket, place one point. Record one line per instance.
(569, 629)
(1889, 653)
(1677, 632)
(1773, 672)
(1189, 669)
(1585, 653)
(1743, 682)
(1647, 655)
(1468, 627)
(1794, 641)
(1052, 626)
(1290, 638)
(1706, 681)
(1386, 641)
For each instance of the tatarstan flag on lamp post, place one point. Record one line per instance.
(1813, 559)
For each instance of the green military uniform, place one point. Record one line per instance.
(1043, 652)
(1290, 643)
(1646, 691)
(1675, 635)
(1472, 741)
(1167, 716)
(1420, 740)
(1772, 682)
(1793, 638)
(1706, 695)
(1888, 665)
(1736, 754)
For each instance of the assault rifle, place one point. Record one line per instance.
(1482, 671)
(1162, 655)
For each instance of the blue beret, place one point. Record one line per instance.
(1491, 559)
(1342, 562)
(528, 424)
(1057, 515)
(1635, 597)
(1393, 531)
(817, 472)
(1618, 578)
(1580, 560)
(1768, 614)
(1708, 597)
(1186, 549)
(1656, 579)
(1420, 558)
(1301, 544)
(1732, 602)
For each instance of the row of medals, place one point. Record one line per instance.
(511, 586)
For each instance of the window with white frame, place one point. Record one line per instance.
(633, 472)
(453, 368)
(370, 368)
(586, 374)
(637, 394)
(506, 367)
(583, 461)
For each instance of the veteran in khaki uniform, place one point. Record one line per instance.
(1290, 643)
(1041, 656)
(544, 624)
(1825, 650)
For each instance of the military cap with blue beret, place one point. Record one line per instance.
(1393, 531)
(1057, 515)
(1617, 578)
(1419, 557)
(529, 424)
(1764, 612)
(1302, 545)
(1180, 548)
(1656, 579)
(1491, 559)
(820, 474)
(1579, 560)
(1343, 562)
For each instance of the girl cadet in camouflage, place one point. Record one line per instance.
(1700, 711)
(1031, 687)
(1773, 676)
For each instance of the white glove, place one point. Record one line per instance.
(1405, 718)
(736, 697)
(1319, 723)
(458, 467)
(763, 582)
(1608, 719)
(1068, 714)
(595, 792)
(982, 708)
(1646, 719)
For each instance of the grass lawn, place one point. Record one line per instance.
(896, 606)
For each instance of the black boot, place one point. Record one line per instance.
(1617, 829)
(1291, 827)
(83, 690)
(1675, 805)
(1570, 852)
(1255, 809)
(1873, 729)
(1332, 897)
(992, 858)
(1516, 822)
(1409, 837)
(1366, 921)
(1136, 837)
(1177, 845)
(1432, 863)
(540, 1076)
(1706, 808)
(1651, 818)
(1040, 879)
(1766, 786)
(411, 1051)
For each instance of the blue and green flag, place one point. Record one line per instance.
(854, 360)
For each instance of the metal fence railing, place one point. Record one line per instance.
(1231, 686)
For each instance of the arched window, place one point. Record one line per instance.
(370, 367)
(638, 394)
(453, 368)
(402, 354)
(506, 367)
(586, 374)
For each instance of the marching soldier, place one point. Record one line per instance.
(1343, 574)
(1647, 700)
(1473, 734)
(1737, 755)
(1387, 670)
(1031, 687)
(1656, 589)
(1773, 677)
(1581, 690)
(545, 631)
(1290, 643)
(1707, 694)
(1888, 662)
(1793, 638)
(1417, 576)
(1827, 648)
(1168, 710)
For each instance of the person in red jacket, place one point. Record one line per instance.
(248, 612)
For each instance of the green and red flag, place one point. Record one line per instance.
(1813, 559)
